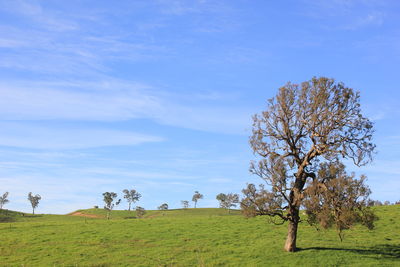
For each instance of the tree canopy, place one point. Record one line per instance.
(108, 198)
(196, 197)
(163, 206)
(131, 196)
(227, 201)
(34, 200)
(3, 200)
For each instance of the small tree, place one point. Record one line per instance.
(386, 203)
(34, 201)
(196, 197)
(131, 196)
(108, 198)
(185, 204)
(228, 201)
(140, 212)
(163, 206)
(377, 203)
(304, 125)
(3, 200)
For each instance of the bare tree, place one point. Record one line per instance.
(196, 197)
(131, 196)
(317, 121)
(108, 198)
(140, 212)
(185, 204)
(227, 201)
(34, 201)
(3, 200)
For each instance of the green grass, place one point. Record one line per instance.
(193, 237)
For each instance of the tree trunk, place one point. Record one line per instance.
(129, 206)
(33, 211)
(195, 204)
(290, 245)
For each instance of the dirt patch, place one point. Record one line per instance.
(78, 213)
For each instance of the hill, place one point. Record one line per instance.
(192, 237)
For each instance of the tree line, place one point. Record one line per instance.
(111, 200)
(226, 201)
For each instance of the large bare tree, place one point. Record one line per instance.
(305, 125)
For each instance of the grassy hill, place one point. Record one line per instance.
(192, 237)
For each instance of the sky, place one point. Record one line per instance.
(100, 96)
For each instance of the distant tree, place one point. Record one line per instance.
(140, 212)
(185, 204)
(227, 201)
(34, 201)
(386, 203)
(196, 197)
(221, 197)
(305, 125)
(397, 202)
(131, 196)
(377, 203)
(108, 198)
(3, 200)
(163, 206)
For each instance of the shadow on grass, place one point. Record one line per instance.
(4, 219)
(387, 251)
(132, 217)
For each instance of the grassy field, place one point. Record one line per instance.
(193, 237)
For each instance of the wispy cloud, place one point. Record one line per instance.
(372, 19)
(28, 135)
(81, 101)
(77, 55)
(34, 12)
(80, 56)
(346, 14)
(114, 100)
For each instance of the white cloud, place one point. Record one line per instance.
(87, 101)
(116, 100)
(166, 175)
(26, 135)
(375, 18)
(384, 167)
(346, 14)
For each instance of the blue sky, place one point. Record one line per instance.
(158, 96)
